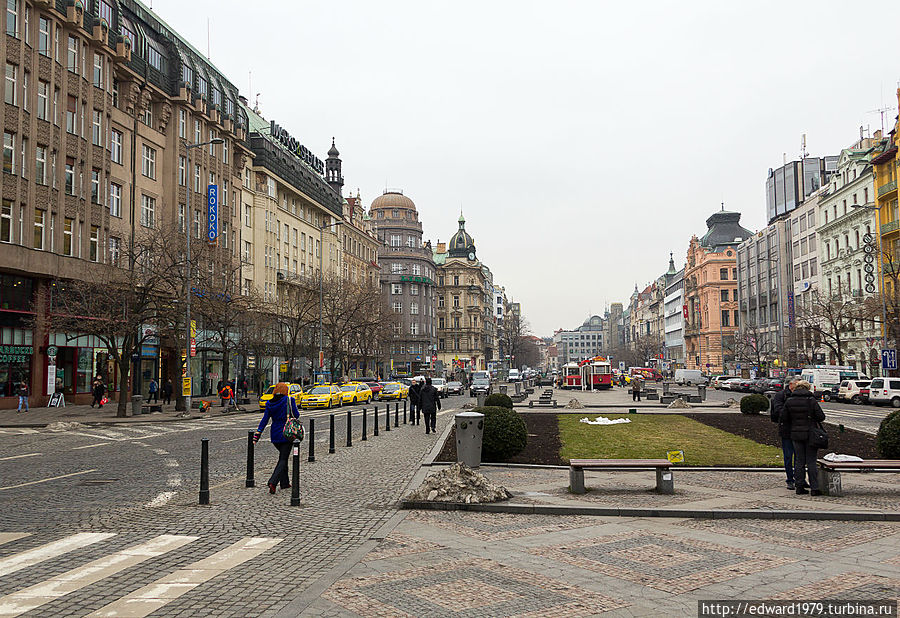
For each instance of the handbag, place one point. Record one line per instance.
(293, 428)
(818, 437)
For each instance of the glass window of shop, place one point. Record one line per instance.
(15, 335)
(78, 360)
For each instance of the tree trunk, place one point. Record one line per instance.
(124, 381)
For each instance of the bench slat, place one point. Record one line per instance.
(893, 464)
(620, 463)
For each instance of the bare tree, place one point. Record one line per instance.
(513, 337)
(296, 316)
(830, 319)
(647, 348)
(753, 346)
(345, 305)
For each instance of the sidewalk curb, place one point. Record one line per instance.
(600, 511)
(122, 420)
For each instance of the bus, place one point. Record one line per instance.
(596, 373)
(571, 373)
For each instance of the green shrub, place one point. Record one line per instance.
(754, 404)
(499, 400)
(888, 438)
(505, 434)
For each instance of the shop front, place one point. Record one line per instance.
(16, 340)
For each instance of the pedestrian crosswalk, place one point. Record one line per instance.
(110, 563)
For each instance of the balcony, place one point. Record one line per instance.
(887, 188)
(416, 251)
(890, 226)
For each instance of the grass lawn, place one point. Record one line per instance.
(649, 436)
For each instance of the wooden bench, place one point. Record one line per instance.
(663, 467)
(830, 472)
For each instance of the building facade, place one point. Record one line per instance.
(674, 317)
(884, 164)
(407, 276)
(585, 341)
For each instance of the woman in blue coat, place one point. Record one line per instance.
(277, 409)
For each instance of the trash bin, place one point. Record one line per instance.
(666, 387)
(469, 432)
(136, 405)
(480, 398)
(518, 388)
(503, 388)
(701, 390)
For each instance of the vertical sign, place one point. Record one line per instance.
(212, 210)
(888, 359)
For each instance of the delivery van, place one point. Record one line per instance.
(689, 376)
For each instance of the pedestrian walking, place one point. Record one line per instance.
(787, 445)
(98, 390)
(636, 388)
(153, 391)
(800, 414)
(243, 387)
(277, 409)
(22, 392)
(167, 391)
(430, 402)
(226, 394)
(414, 398)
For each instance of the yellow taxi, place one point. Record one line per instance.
(394, 390)
(321, 396)
(295, 390)
(356, 392)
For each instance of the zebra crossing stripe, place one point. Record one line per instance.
(25, 559)
(151, 597)
(9, 537)
(71, 581)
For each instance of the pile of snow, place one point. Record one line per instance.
(459, 483)
(468, 406)
(602, 420)
(731, 402)
(574, 404)
(64, 426)
(839, 457)
(679, 404)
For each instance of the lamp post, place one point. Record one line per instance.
(322, 229)
(881, 271)
(187, 269)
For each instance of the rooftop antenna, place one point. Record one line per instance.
(207, 38)
(881, 110)
(723, 210)
(803, 147)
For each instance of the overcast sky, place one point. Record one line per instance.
(585, 140)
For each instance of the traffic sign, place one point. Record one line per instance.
(888, 359)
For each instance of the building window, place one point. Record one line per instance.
(70, 176)
(182, 123)
(95, 186)
(414, 328)
(39, 221)
(40, 165)
(723, 296)
(71, 113)
(115, 199)
(396, 288)
(12, 72)
(148, 162)
(43, 100)
(197, 132)
(456, 301)
(25, 79)
(414, 289)
(225, 160)
(98, 71)
(396, 268)
(723, 274)
(67, 236)
(113, 251)
(72, 57)
(154, 58)
(97, 128)
(148, 211)
(12, 17)
(197, 178)
(414, 308)
(197, 220)
(115, 143)
(6, 221)
(396, 240)
(9, 152)
(397, 307)
(94, 249)
(44, 36)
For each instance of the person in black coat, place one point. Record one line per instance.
(787, 445)
(802, 411)
(414, 409)
(430, 402)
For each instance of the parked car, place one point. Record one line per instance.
(441, 385)
(321, 396)
(375, 387)
(850, 390)
(885, 390)
(774, 384)
(356, 392)
(689, 377)
(454, 388)
(718, 380)
(731, 384)
(394, 390)
(514, 375)
(295, 391)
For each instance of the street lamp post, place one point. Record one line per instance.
(881, 271)
(321, 359)
(187, 269)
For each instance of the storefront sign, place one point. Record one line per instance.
(52, 350)
(212, 213)
(57, 401)
(15, 353)
(296, 148)
(51, 379)
(416, 279)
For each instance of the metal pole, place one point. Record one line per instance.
(375, 421)
(349, 429)
(404, 412)
(321, 358)
(295, 483)
(312, 440)
(331, 436)
(250, 481)
(204, 471)
(397, 414)
(187, 283)
(364, 425)
(387, 417)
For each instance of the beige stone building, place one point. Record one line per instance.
(360, 242)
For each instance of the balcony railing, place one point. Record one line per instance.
(885, 189)
(890, 226)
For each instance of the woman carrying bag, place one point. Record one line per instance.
(801, 419)
(280, 408)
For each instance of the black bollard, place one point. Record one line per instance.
(364, 426)
(349, 429)
(375, 421)
(404, 412)
(250, 482)
(397, 414)
(312, 440)
(331, 436)
(204, 471)
(295, 483)
(387, 417)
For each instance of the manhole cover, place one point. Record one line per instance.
(98, 481)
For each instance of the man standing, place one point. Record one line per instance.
(414, 399)
(636, 388)
(430, 402)
(787, 445)
(226, 395)
(152, 391)
(167, 391)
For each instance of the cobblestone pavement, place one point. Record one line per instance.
(134, 487)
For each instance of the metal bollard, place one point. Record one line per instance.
(331, 436)
(312, 440)
(295, 483)
(397, 414)
(387, 417)
(404, 412)
(375, 421)
(364, 438)
(250, 482)
(349, 429)
(204, 471)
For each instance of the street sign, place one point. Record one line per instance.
(212, 201)
(185, 387)
(888, 359)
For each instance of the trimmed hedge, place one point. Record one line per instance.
(887, 441)
(505, 434)
(498, 400)
(754, 404)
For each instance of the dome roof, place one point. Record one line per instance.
(333, 151)
(461, 242)
(392, 199)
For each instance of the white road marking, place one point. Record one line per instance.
(234, 439)
(20, 456)
(96, 444)
(52, 478)
(161, 499)
(8, 537)
(160, 451)
(71, 581)
(174, 481)
(170, 463)
(28, 558)
(154, 595)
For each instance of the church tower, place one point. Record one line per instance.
(333, 169)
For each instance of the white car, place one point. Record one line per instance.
(885, 390)
(718, 380)
(441, 385)
(850, 390)
(731, 384)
